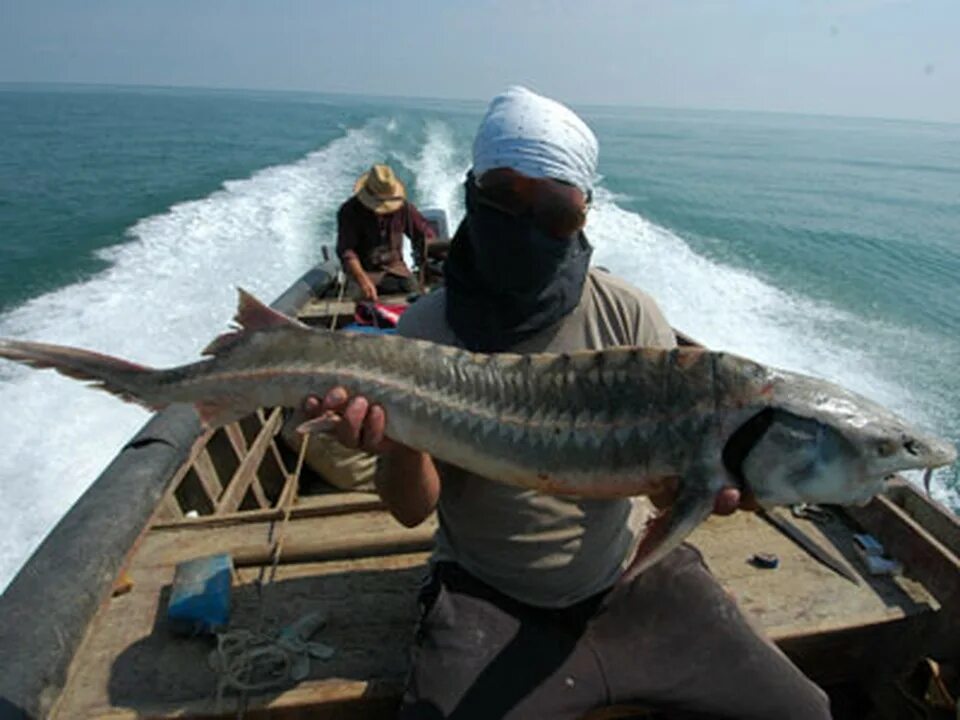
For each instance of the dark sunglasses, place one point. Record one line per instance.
(555, 207)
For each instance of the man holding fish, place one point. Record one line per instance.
(550, 594)
(528, 612)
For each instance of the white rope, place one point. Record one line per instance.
(251, 661)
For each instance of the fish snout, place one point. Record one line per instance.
(912, 452)
(932, 452)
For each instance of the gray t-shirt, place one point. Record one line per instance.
(541, 549)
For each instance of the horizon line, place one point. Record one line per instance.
(479, 101)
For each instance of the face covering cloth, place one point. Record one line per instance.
(507, 279)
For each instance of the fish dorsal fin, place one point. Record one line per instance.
(252, 316)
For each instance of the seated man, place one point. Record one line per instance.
(370, 230)
(523, 615)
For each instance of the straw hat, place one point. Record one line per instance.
(380, 190)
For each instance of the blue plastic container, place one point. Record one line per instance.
(200, 597)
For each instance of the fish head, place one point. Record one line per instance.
(819, 443)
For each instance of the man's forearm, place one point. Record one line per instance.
(408, 484)
(355, 269)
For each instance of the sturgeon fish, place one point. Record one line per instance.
(596, 424)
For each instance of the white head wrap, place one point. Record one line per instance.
(535, 136)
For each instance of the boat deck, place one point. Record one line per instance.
(343, 555)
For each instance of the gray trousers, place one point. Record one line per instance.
(671, 640)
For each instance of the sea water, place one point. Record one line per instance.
(129, 216)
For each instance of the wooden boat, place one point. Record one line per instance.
(83, 631)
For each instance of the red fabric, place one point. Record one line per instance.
(378, 314)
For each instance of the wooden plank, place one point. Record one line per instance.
(936, 519)
(245, 475)
(258, 493)
(290, 490)
(170, 495)
(288, 472)
(273, 422)
(169, 509)
(868, 652)
(834, 630)
(306, 506)
(305, 539)
(129, 665)
(208, 476)
(237, 440)
(925, 558)
(801, 593)
(326, 308)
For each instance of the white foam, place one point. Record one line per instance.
(167, 292)
(438, 171)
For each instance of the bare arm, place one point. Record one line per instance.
(408, 484)
(353, 268)
(406, 479)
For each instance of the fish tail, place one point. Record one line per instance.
(116, 376)
(667, 530)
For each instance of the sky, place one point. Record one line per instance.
(879, 58)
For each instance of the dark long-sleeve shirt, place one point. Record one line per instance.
(377, 240)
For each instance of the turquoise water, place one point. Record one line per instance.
(129, 216)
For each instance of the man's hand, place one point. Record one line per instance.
(726, 502)
(729, 500)
(355, 270)
(357, 423)
(368, 289)
(406, 479)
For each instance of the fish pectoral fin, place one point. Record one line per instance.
(671, 526)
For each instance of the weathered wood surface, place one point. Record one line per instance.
(317, 310)
(936, 519)
(246, 475)
(306, 506)
(925, 548)
(834, 630)
(130, 666)
(308, 539)
(320, 311)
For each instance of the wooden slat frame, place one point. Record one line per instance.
(226, 498)
(169, 505)
(207, 473)
(246, 474)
